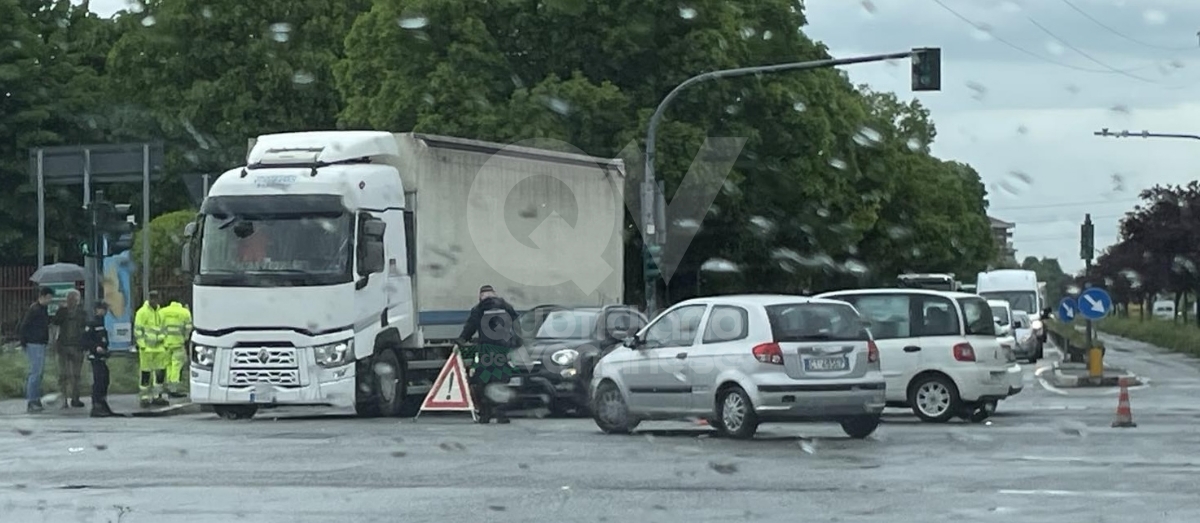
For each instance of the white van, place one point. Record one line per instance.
(1164, 310)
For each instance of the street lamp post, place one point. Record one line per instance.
(926, 77)
(1143, 134)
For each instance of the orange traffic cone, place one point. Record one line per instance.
(1124, 417)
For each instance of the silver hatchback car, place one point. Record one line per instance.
(738, 361)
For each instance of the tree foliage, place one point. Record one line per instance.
(836, 185)
(1158, 249)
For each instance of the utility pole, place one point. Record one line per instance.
(926, 76)
(1087, 250)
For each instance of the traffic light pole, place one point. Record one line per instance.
(652, 230)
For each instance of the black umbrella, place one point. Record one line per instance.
(58, 273)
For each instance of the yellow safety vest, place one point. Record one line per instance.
(148, 328)
(176, 324)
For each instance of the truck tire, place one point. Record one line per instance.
(235, 412)
(385, 383)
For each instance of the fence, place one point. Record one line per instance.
(17, 292)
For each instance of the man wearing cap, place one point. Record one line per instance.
(152, 355)
(95, 342)
(495, 322)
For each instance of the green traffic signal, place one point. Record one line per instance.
(927, 69)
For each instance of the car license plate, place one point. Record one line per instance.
(262, 393)
(826, 364)
(514, 382)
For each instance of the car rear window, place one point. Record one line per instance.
(816, 322)
(978, 316)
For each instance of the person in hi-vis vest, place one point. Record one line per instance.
(177, 328)
(152, 355)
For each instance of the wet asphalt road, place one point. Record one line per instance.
(1046, 456)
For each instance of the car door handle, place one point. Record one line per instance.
(681, 356)
(912, 348)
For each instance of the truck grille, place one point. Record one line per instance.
(243, 378)
(264, 358)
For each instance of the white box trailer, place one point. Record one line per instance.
(336, 268)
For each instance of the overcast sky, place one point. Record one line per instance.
(1025, 84)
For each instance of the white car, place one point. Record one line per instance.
(739, 361)
(938, 350)
(1007, 335)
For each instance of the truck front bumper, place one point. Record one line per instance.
(332, 388)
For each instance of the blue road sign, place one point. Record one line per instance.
(1094, 303)
(1068, 309)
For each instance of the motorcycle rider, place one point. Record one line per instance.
(495, 322)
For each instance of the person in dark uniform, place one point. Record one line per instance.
(95, 342)
(495, 322)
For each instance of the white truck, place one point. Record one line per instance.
(335, 268)
(1022, 290)
(936, 282)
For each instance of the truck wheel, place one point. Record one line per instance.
(384, 394)
(235, 412)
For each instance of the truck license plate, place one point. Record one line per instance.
(826, 364)
(262, 393)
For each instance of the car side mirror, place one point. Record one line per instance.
(632, 342)
(189, 230)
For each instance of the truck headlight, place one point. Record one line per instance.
(564, 357)
(334, 354)
(203, 356)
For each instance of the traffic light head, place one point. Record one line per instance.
(649, 265)
(927, 69)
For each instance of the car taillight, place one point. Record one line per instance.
(768, 353)
(964, 352)
(872, 352)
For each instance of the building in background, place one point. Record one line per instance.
(1002, 232)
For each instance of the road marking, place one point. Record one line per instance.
(1071, 493)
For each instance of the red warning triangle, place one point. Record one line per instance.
(450, 391)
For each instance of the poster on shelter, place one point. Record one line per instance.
(116, 279)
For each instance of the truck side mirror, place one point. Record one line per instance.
(374, 228)
(372, 257)
(185, 262)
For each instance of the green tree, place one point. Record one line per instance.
(166, 240)
(210, 74)
(825, 173)
(50, 88)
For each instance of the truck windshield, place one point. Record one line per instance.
(268, 250)
(1019, 300)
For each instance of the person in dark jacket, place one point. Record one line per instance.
(95, 342)
(70, 319)
(494, 320)
(35, 336)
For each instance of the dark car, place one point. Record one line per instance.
(562, 346)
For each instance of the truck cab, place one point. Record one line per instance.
(301, 269)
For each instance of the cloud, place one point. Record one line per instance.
(1027, 108)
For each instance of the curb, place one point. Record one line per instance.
(1070, 381)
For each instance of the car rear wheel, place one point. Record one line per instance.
(860, 427)
(735, 414)
(934, 398)
(610, 411)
